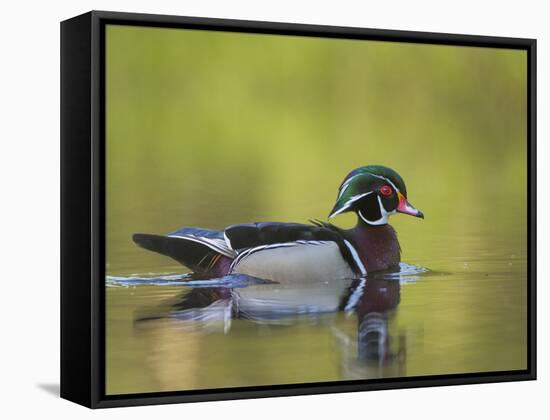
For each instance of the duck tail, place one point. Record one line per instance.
(193, 253)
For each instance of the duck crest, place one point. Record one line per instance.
(377, 246)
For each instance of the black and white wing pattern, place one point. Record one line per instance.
(213, 239)
(199, 249)
(270, 250)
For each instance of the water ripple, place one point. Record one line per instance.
(407, 273)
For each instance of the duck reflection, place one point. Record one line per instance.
(368, 303)
(371, 349)
(374, 310)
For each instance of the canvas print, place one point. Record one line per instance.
(287, 209)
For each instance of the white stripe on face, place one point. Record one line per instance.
(349, 203)
(384, 215)
(387, 180)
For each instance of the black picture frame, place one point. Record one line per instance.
(83, 207)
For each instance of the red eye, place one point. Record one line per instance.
(386, 190)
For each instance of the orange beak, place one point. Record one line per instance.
(406, 208)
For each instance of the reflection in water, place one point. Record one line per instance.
(370, 348)
(380, 298)
(172, 332)
(210, 306)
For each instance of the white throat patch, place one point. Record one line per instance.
(383, 219)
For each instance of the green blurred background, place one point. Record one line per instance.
(214, 128)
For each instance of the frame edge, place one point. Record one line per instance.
(90, 118)
(76, 201)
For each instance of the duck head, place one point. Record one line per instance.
(374, 192)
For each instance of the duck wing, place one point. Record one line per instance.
(269, 239)
(263, 246)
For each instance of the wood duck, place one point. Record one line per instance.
(277, 251)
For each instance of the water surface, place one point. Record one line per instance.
(165, 335)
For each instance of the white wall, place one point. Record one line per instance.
(29, 237)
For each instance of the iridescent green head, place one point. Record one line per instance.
(374, 192)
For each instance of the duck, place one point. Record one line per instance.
(304, 252)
